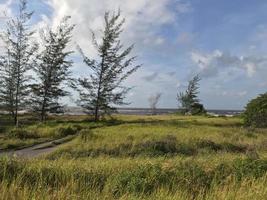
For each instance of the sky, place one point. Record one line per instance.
(224, 41)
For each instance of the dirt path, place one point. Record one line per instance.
(37, 150)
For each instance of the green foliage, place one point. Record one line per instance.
(52, 70)
(49, 176)
(188, 176)
(103, 89)
(141, 157)
(17, 61)
(64, 131)
(168, 146)
(22, 133)
(256, 112)
(189, 99)
(198, 109)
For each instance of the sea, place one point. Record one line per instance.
(158, 111)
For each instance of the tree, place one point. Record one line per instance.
(17, 61)
(103, 89)
(189, 99)
(153, 101)
(7, 83)
(52, 70)
(256, 112)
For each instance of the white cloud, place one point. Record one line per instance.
(143, 18)
(216, 62)
(147, 82)
(5, 9)
(144, 22)
(233, 93)
(243, 93)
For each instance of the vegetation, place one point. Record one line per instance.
(104, 88)
(16, 62)
(141, 157)
(256, 112)
(121, 157)
(189, 99)
(52, 71)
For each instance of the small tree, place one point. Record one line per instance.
(189, 99)
(17, 61)
(153, 101)
(256, 112)
(52, 70)
(103, 89)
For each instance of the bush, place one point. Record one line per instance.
(198, 109)
(22, 134)
(68, 130)
(256, 112)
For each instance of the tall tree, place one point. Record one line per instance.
(7, 83)
(103, 89)
(189, 99)
(18, 61)
(52, 70)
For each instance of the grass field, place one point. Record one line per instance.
(141, 157)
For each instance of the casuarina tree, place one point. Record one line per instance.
(102, 90)
(17, 61)
(52, 70)
(189, 99)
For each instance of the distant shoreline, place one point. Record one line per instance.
(147, 111)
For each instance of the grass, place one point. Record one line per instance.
(32, 132)
(142, 157)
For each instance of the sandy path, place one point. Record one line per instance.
(37, 150)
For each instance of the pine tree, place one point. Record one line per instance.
(103, 89)
(17, 61)
(189, 99)
(7, 84)
(52, 70)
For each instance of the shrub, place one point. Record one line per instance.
(256, 112)
(207, 144)
(67, 130)
(22, 134)
(198, 109)
(229, 147)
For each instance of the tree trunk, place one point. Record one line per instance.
(98, 90)
(96, 114)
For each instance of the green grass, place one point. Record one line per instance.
(31, 131)
(142, 157)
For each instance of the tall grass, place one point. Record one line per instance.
(190, 179)
(141, 157)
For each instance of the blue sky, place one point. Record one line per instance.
(225, 41)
